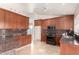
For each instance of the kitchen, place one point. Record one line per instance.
(23, 28)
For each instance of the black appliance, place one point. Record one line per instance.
(70, 32)
(51, 34)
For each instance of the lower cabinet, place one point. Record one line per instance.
(69, 49)
(23, 40)
(18, 41)
(11, 45)
(2, 47)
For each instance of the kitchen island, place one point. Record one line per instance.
(69, 46)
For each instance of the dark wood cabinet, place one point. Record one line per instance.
(43, 36)
(2, 13)
(22, 22)
(59, 23)
(23, 40)
(43, 25)
(65, 22)
(18, 22)
(10, 20)
(27, 22)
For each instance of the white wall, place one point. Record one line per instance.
(76, 21)
(76, 24)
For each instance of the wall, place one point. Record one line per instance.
(76, 24)
(76, 21)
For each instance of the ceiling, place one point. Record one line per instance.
(55, 9)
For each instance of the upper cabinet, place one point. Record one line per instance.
(38, 22)
(10, 20)
(2, 19)
(22, 22)
(61, 23)
(47, 22)
(65, 22)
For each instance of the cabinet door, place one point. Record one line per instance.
(27, 22)
(23, 40)
(23, 22)
(43, 24)
(18, 21)
(68, 22)
(2, 19)
(59, 23)
(28, 39)
(10, 20)
(13, 21)
(65, 22)
(43, 27)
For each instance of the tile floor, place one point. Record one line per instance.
(36, 48)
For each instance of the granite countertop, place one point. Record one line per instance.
(69, 40)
